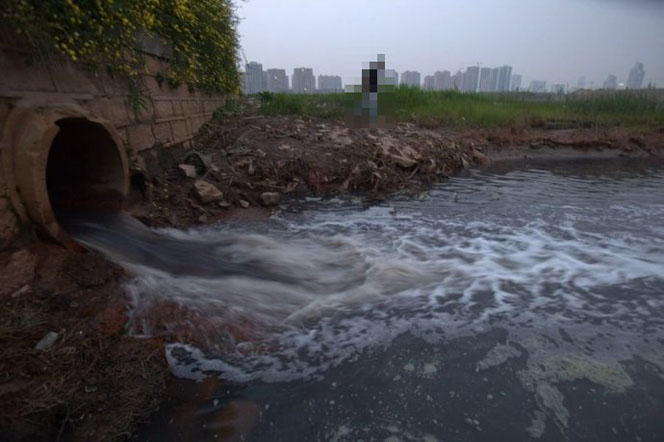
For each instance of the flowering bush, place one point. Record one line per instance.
(201, 35)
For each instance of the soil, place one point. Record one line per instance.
(249, 155)
(97, 383)
(93, 382)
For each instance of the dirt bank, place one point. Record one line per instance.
(255, 160)
(88, 380)
(67, 369)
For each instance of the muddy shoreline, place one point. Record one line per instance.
(95, 382)
(254, 161)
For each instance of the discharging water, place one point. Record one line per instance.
(519, 302)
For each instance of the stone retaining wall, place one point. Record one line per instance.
(155, 125)
(167, 117)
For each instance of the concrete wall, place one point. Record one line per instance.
(152, 134)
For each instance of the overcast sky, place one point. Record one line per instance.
(553, 40)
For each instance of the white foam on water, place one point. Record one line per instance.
(342, 281)
(491, 271)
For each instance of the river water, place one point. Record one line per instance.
(520, 302)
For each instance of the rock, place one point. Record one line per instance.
(47, 341)
(479, 158)
(245, 348)
(18, 270)
(403, 162)
(270, 198)
(244, 204)
(203, 219)
(224, 204)
(202, 163)
(188, 170)
(207, 192)
(8, 223)
(251, 170)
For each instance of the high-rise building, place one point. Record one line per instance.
(429, 82)
(277, 80)
(442, 80)
(391, 77)
(457, 81)
(581, 83)
(636, 74)
(493, 80)
(504, 77)
(410, 78)
(538, 86)
(304, 81)
(329, 83)
(611, 82)
(558, 88)
(254, 78)
(515, 82)
(485, 77)
(471, 78)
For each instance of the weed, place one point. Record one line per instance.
(455, 109)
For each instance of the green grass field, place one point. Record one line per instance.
(455, 109)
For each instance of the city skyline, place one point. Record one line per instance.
(470, 79)
(554, 41)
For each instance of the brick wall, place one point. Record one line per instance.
(155, 135)
(168, 119)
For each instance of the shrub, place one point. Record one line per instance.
(201, 35)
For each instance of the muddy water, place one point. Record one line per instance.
(521, 302)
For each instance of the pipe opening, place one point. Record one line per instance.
(85, 171)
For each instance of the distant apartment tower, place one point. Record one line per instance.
(391, 77)
(538, 86)
(581, 83)
(429, 82)
(611, 82)
(636, 74)
(277, 80)
(442, 81)
(470, 79)
(304, 81)
(254, 78)
(410, 78)
(485, 80)
(493, 80)
(457, 81)
(504, 77)
(558, 88)
(515, 82)
(329, 83)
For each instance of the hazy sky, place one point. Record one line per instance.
(553, 40)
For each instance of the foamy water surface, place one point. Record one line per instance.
(498, 305)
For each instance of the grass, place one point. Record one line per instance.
(455, 109)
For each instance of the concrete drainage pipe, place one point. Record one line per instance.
(56, 159)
